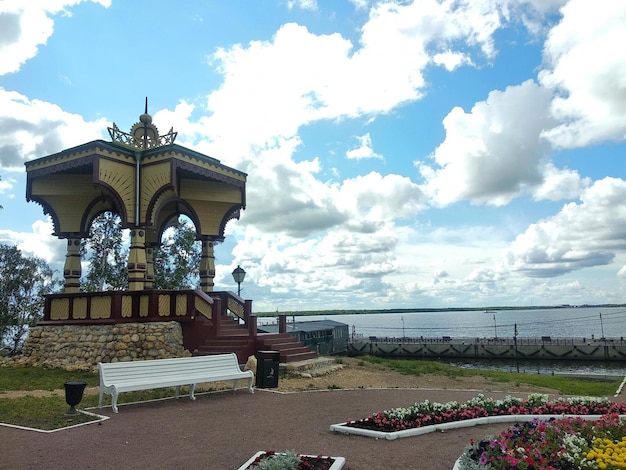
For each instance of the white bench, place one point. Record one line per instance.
(117, 377)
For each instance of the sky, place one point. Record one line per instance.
(425, 153)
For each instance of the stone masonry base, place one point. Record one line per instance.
(82, 347)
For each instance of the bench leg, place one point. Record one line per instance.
(101, 399)
(192, 390)
(250, 387)
(177, 391)
(114, 401)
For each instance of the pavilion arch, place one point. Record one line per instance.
(169, 213)
(97, 208)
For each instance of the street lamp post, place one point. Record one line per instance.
(601, 326)
(495, 326)
(238, 275)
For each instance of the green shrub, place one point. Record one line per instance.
(284, 461)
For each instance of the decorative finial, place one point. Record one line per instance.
(143, 135)
(145, 117)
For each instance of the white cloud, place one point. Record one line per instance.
(559, 184)
(495, 152)
(338, 263)
(281, 89)
(6, 184)
(32, 128)
(445, 266)
(374, 199)
(289, 198)
(364, 150)
(532, 13)
(451, 60)
(581, 235)
(39, 243)
(360, 4)
(25, 26)
(344, 241)
(587, 68)
(22, 31)
(303, 4)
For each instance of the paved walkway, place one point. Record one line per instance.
(222, 430)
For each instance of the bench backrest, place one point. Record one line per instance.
(116, 373)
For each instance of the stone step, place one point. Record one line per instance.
(234, 338)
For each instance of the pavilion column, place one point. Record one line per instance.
(72, 268)
(149, 268)
(137, 264)
(207, 266)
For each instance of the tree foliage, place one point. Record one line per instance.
(107, 254)
(23, 283)
(177, 260)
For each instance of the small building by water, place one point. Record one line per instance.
(323, 336)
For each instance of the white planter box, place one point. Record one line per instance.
(337, 464)
(344, 429)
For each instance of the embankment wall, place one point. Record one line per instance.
(553, 350)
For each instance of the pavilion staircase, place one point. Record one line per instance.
(291, 350)
(234, 337)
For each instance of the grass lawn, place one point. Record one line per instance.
(581, 386)
(49, 412)
(45, 413)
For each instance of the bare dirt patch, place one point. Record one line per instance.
(356, 373)
(352, 373)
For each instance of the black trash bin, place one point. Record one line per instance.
(74, 394)
(267, 368)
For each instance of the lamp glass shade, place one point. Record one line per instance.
(239, 274)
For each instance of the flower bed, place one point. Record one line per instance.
(306, 462)
(429, 416)
(557, 444)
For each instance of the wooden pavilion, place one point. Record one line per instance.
(149, 181)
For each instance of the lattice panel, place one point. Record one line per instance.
(100, 307)
(79, 308)
(127, 306)
(203, 307)
(60, 309)
(181, 305)
(164, 305)
(144, 305)
(235, 307)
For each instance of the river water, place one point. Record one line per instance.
(558, 322)
(581, 322)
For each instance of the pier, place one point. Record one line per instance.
(542, 348)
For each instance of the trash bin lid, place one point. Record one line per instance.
(75, 382)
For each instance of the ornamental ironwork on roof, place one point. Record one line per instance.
(143, 135)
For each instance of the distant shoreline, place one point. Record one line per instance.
(421, 310)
